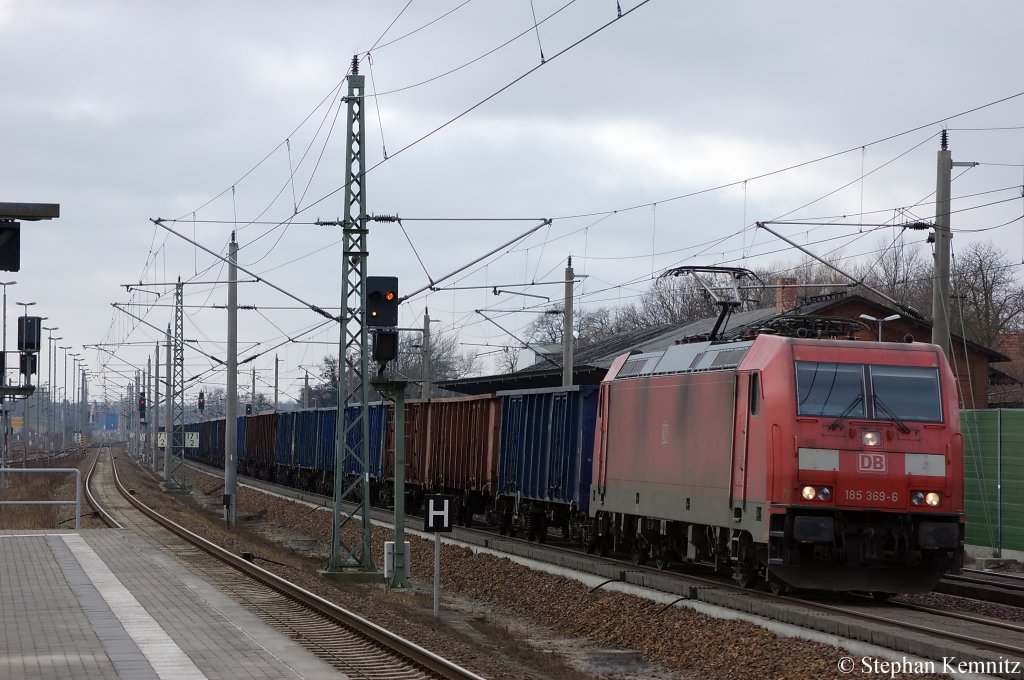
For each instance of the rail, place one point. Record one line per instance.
(385, 638)
(78, 490)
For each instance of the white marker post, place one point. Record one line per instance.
(438, 519)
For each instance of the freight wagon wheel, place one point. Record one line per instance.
(776, 586)
(663, 560)
(639, 554)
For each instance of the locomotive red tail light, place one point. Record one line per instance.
(871, 438)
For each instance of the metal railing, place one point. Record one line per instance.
(78, 490)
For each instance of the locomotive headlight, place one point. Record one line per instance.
(824, 493)
(808, 492)
(871, 438)
(917, 497)
(932, 499)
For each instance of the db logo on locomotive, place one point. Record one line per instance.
(871, 462)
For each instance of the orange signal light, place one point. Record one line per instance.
(389, 296)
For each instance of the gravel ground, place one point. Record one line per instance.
(502, 620)
(964, 605)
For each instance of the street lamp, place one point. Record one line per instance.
(63, 407)
(868, 317)
(73, 397)
(49, 383)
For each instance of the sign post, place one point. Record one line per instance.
(438, 519)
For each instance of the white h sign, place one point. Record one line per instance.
(438, 515)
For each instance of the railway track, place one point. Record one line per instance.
(347, 642)
(1003, 589)
(974, 637)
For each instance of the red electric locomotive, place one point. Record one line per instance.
(821, 464)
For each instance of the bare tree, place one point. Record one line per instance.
(986, 298)
(508, 359)
(446, 361)
(901, 272)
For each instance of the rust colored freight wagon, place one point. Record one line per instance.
(451, 446)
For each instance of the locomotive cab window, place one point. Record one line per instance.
(754, 389)
(875, 392)
(906, 393)
(829, 389)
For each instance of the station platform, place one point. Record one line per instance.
(107, 604)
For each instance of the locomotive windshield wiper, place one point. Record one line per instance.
(884, 409)
(846, 411)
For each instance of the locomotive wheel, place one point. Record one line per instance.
(746, 578)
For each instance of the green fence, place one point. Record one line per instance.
(994, 478)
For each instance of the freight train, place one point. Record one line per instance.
(808, 463)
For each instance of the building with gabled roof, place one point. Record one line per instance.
(971, 362)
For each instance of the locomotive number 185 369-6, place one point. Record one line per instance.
(871, 495)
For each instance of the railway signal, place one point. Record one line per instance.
(142, 408)
(28, 365)
(202, 402)
(385, 346)
(382, 301)
(29, 333)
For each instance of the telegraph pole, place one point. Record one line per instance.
(943, 235)
(252, 391)
(156, 407)
(567, 323)
(353, 381)
(231, 407)
(425, 386)
(137, 422)
(177, 424)
(150, 413)
(168, 415)
(277, 394)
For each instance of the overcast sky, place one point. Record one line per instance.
(127, 110)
